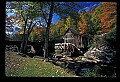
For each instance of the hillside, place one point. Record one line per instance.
(17, 66)
(99, 20)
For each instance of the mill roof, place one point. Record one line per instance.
(73, 31)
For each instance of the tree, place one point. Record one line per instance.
(37, 34)
(83, 24)
(27, 17)
(75, 17)
(109, 16)
(110, 37)
(10, 22)
(59, 27)
(63, 10)
(48, 16)
(96, 21)
(32, 36)
(67, 24)
(29, 12)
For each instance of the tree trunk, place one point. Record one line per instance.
(24, 37)
(46, 42)
(25, 45)
(22, 44)
(47, 29)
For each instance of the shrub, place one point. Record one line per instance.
(92, 72)
(110, 38)
(98, 71)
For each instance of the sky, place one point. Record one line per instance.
(86, 5)
(55, 18)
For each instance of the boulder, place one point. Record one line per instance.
(101, 52)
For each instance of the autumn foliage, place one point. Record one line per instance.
(108, 17)
(38, 30)
(98, 20)
(94, 22)
(83, 25)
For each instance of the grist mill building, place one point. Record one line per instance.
(73, 36)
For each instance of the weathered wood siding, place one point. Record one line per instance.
(69, 37)
(78, 40)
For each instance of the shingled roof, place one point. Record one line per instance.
(73, 31)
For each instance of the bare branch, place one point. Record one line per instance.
(43, 13)
(51, 13)
(32, 28)
(25, 25)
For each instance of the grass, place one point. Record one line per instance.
(17, 66)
